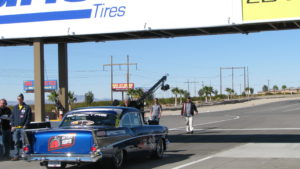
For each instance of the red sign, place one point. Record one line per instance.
(49, 85)
(122, 86)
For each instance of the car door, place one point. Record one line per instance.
(143, 133)
(133, 122)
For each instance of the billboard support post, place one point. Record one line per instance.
(39, 95)
(63, 74)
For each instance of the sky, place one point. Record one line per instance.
(270, 56)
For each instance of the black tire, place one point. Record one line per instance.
(118, 159)
(158, 153)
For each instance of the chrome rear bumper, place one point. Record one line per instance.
(68, 157)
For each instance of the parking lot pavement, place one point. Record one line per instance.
(264, 137)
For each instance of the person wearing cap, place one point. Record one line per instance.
(5, 127)
(187, 111)
(20, 120)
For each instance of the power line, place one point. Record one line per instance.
(232, 69)
(111, 65)
(191, 82)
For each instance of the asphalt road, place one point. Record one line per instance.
(264, 137)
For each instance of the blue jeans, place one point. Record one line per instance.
(18, 137)
(5, 140)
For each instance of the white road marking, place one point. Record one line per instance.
(263, 150)
(254, 150)
(213, 122)
(248, 129)
(252, 129)
(291, 110)
(193, 162)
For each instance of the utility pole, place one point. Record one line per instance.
(240, 89)
(111, 65)
(195, 89)
(221, 87)
(232, 78)
(268, 85)
(245, 86)
(189, 82)
(127, 72)
(232, 74)
(248, 76)
(111, 78)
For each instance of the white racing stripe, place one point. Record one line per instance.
(213, 122)
(193, 162)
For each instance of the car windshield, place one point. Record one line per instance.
(89, 119)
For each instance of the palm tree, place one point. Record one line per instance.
(201, 92)
(216, 92)
(265, 88)
(89, 98)
(210, 90)
(283, 88)
(181, 93)
(275, 88)
(71, 99)
(175, 91)
(186, 94)
(53, 96)
(251, 91)
(135, 93)
(207, 91)
(230, 92)
(247, 90)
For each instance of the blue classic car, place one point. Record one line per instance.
(89, 135)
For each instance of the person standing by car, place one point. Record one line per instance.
(20, 120)
(5, 127)
(187, 111)
(155, 112)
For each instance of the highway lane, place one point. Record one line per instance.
(221, 137)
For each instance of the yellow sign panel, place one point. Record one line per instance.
(270, 9)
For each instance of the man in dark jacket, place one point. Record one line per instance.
(5, 127)
(187, 111)
(20, 120)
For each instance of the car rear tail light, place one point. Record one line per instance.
(26, 149)
(93, 149)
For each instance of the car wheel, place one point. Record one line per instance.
(118, 159)
(159, 150)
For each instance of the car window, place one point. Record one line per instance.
(125, 121)
(131, 119)
(135, 119)
(89, 119)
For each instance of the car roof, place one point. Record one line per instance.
(109, 109)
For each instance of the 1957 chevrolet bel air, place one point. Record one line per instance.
(89, 135)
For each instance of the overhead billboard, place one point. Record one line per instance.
(49, 85)
(122, 86)
(255, 10)
(49, 18)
